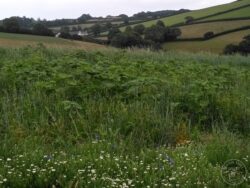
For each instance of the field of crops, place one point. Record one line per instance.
(121, 118)
(198, 30)
(20, 40)
(241, 13)
(215, 45)
(197, 13)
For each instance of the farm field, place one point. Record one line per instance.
(121, 118)
(83, 26)
(169, 21)
(198, 30)
(20, 40)
(215, 45)
(241, 13)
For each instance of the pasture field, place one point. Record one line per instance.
(83, 26)
(198, 30)
(20, 40)
(241, 13)
(214, 45)
(180, 18)
(121, 118)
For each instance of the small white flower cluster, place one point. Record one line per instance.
(156, 168)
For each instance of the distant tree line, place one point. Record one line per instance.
(242, 48)
(158, 14)
(139, 36)
(12, 25)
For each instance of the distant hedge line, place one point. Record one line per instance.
(215, 35)
(223, 12)
(210, 21)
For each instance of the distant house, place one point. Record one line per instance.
(82, 33)
(58, 35)
(79, 33)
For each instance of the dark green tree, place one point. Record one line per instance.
(160, 23)
(113, 32)
(41, 29)
(96, 29)
(189, 19)
(128, 29)
(124, 40)
(208, 35)
(139, 29)
(11, 25)
(171, 33)
(155, 33)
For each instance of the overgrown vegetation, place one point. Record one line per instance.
(121, 118)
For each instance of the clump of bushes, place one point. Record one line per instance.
(243, 47)
(189, 19)
(139, 36)
(208, 35)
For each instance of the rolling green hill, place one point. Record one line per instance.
(198, 13)
(19, 40)
(198, 30)
(215, 45)
(241, 13)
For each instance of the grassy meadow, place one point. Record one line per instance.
(214, 45)
(22, 40)
(241, 13)
(121, 118)
(198, 30)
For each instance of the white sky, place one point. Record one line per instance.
(51, 9)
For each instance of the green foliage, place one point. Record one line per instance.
(11, 25)
(127, 39)
(155, 33)
(113, 32)
(208, 35)
(40, 29)
(159, 33)
(102, 119)
(139, 29)
(96, 29)
(243, 47)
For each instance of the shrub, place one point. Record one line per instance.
(11, 25)
(171, 33)
(113, 32)
(243, 47)
(124, 40)
(40, 29)
(189, 19)
(231, 49)
(208, 35)
(139, 29)
(155, 33)
(160, 23)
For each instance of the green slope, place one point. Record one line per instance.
(198, 30)
(244, 12)
(198, 13)
(19, 40)
(215, 45)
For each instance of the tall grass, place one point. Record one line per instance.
(78, 104)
